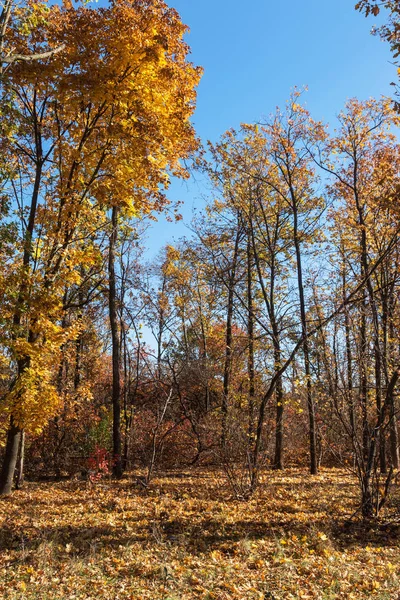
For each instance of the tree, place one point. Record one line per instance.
(97, 125)
(24, 18)
(390, 31)
(273, 165)
(364, 159)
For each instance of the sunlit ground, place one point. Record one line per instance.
(188, 538)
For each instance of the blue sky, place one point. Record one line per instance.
(253, 53)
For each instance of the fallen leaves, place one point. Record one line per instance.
(187, 539)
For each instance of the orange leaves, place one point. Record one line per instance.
(69, 540)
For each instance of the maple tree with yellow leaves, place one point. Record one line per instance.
(100, 124)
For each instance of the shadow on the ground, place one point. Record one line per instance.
(206, 535)
(204, 532)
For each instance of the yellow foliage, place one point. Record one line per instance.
(112, 113)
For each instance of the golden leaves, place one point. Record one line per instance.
(126, 102)
(117, 541)
(34, 399)
(107, 119)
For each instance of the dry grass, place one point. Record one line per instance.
(187, 538)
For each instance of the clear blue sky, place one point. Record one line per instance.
(254, 52)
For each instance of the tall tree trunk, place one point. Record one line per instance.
(379, 409)
(364, 380)
(278, 457)
(364, 260)
(393, 429)
(127, 420)
(363, 331)
(113, 315)
(277, 387)
(349, 360)
(228, 343)
(129, 396)
(204, 350)
(250, 337)
(14, 432)
(306, 350)
(393, 434)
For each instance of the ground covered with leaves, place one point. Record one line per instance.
(187, 537)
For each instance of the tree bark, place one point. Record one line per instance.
(278, 457)
(19, 481)
(10, 458)
(228, 344)
(379, 409)
(116, 359)
(306, 350)
(349, 361)
(14, 432)
(250, 336)
(393, 429)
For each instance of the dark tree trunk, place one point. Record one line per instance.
(364, 381)
(364, 263)
(250, 336)
(393, 434)
(349, 361)
(14, 432)
(393, 429)
(278, 458)
(19, 481)
(371, 504)
(10, 458)
(113, 315)
(277, 387)
(228, 343)
(306, 350)
(129, 396)
(379, 409)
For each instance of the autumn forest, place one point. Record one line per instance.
(221, 421)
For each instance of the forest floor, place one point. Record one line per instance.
(188, 538)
